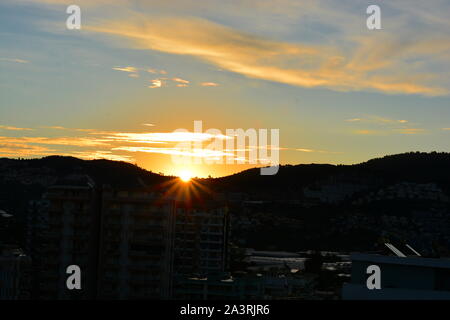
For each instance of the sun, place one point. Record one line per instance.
(185, 176)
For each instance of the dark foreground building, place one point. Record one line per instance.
(15, 274)
(402, 278)
(130, 243)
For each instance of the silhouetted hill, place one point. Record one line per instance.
(116, 173)
(288, 179)
(25, 180)
(412, 167)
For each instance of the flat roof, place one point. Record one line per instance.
(409, 260)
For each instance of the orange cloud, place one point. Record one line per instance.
(54, 127)
(91, 155)
(180, 80)
(313, 150)
(156, 83)
(209, 84)
(163, 137)
(14, 128)
(8, 149)
(123, 146)
(64, 141)
(387, 132)
(126, 69)
(377, 120)
(366, 132)
(411, 131)
(261, 58)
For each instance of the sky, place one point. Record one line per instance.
(137, 71)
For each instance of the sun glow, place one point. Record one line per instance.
(185, 176)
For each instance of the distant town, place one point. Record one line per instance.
(307, 233)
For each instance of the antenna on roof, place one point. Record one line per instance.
(410, 248)
(397, 252)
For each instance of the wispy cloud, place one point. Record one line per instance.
(368, 132)
(209, 84)
(180, 80)
(162, 137)
(410, 130)
(198, 153)
(54, 127)
(126, 69)
(377, 120)
(64, 141)
(156, 83)
(90, 131)
(14, 128)
(91, 155)
(376, 125)
(156, 71)
(400, 62)
(8, 149)
(353, 120)
(315, 151)
(14, 60)
(291, 63)
(124, 146)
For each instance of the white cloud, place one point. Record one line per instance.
(209, 84)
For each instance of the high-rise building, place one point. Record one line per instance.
(200, 238)
(14, 273)
(128, 242)
(62, 232)
(136, 240)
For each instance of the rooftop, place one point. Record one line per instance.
(409, 261)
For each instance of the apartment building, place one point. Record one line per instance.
(136, 240)
(128, 242)
(200, 239)
(14, 273)
(62, 232)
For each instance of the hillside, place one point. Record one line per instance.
(412, 167)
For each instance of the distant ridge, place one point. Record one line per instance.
(418, 167)
(104, 171)
(412, 166)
